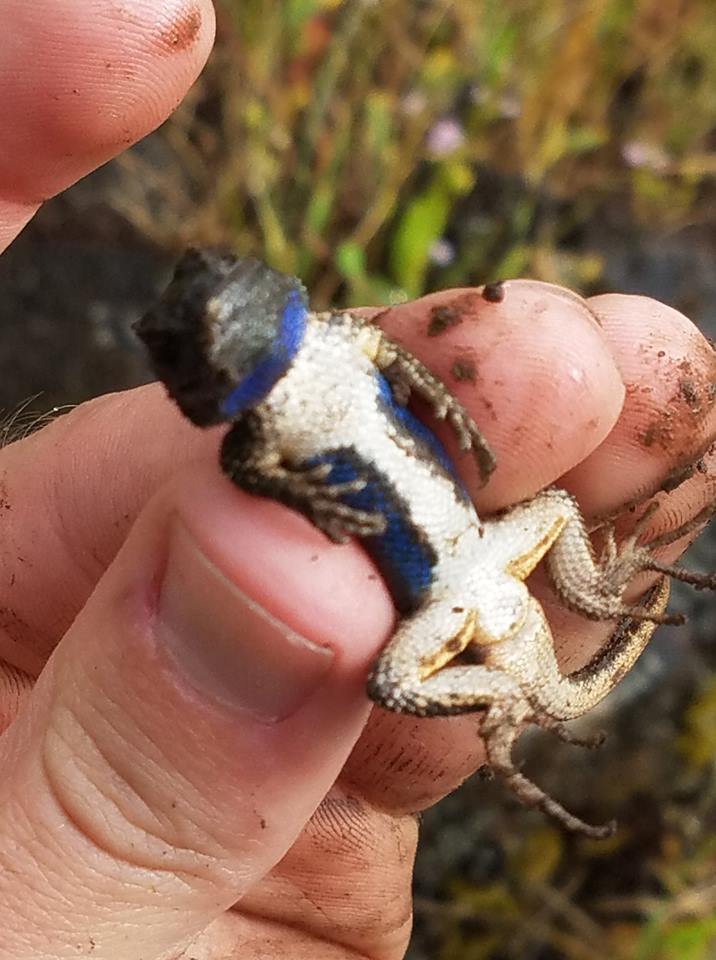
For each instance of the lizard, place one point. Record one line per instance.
(317, 404)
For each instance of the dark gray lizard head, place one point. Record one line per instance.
(224, 331)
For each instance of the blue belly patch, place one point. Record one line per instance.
(402, 554)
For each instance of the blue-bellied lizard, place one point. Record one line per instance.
(318, 407)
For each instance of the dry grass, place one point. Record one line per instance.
(353, 142)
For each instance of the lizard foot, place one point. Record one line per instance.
(593, 742)
(499, 736)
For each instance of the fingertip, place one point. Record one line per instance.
(83, 81)
(531, 367)
(14, 217)
(669, 415)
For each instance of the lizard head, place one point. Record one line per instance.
(224, 331)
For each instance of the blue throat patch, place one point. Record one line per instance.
(254, 387)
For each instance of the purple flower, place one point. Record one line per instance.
(442, 252)
(637, 153)
(445, 137)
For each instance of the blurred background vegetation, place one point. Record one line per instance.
(382, 150)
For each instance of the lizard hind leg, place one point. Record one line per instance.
(702, 581)
(621, 562)
(499, 740)
(563, 733)
(594, 586)
(416, 674)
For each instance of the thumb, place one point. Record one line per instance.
(181, 735)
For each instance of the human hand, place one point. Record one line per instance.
(157, 800)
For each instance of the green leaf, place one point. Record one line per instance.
(350, 260)
(690, 940)
(424, 222)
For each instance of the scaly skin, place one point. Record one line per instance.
(317, 404)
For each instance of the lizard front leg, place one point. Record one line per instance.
(407, 375)
(252, 460)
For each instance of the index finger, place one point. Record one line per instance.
(80, 82)
(532, 368)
